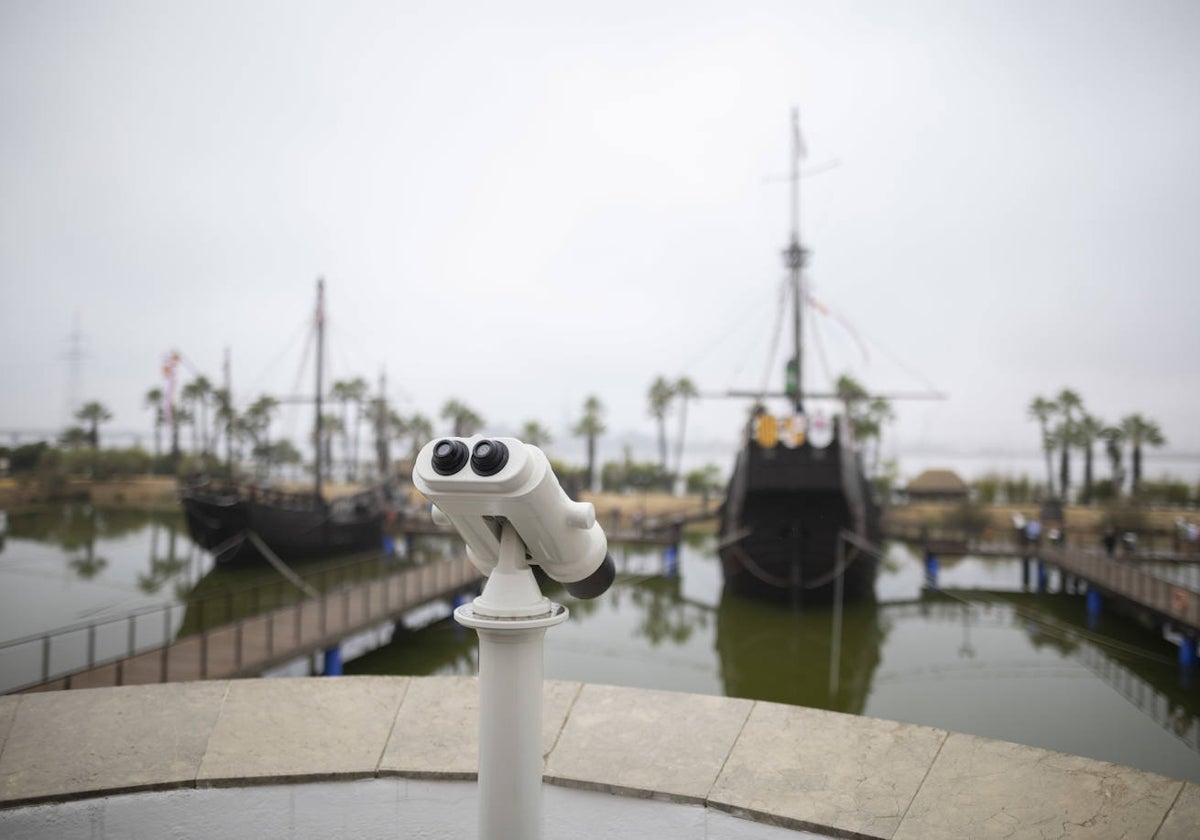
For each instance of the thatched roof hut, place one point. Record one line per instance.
(937, 486)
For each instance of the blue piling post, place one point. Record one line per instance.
(1042, 576)
(333, 662)
(1187, 652)
(931, 570)
(389, 546)
(671, 561)
(1095, 605)
(410, 545)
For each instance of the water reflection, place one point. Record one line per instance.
(1139, 667)
(70, 563)
(89, 565)
(981, 656)
(163, 569)
(985, 658)
(768, 652)
(67, 565)
(75, 527)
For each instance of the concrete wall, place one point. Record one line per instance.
(80, 764)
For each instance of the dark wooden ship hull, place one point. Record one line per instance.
(222, 519)
(785, 511)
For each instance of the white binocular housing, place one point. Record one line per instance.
(478, 484)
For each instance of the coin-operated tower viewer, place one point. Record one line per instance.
(503, 498)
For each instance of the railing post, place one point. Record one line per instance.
(298, 609)
(203, 656)
(237, 655)
(166, 641)
(132, 634)
(45, 658)
(270, 634)
(91, 646)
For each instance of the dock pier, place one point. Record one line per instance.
(251, 645)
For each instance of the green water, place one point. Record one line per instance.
(983, 656)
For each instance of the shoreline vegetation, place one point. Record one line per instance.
(158, 494)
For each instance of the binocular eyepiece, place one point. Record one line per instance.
(449, 456)
(487, 458)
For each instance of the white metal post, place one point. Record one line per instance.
(511, 617)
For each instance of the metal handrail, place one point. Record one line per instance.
(329, 578)
(229, 593)
(456, 567)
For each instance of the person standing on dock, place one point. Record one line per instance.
(1110, 540)
(1033, 531)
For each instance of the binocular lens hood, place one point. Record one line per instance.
(595, 584)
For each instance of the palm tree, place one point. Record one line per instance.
(1114, 447)
(1063, 437)
(418, 429)
(196, 393)
(1041, 410)
(1089, 428)
(347, 392)
(865, 414)
(1140, 431)
(660, 395)
(590, 426)
(75, 437)
(536, 434)
(93, 413)
(685, 389)
(1068, 403)
(331, 424)
(183, 416)
(465, 422)
(379, 416)
(154, 401)
(256, 424)
(226, 417)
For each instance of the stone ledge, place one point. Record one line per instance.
(782, 765)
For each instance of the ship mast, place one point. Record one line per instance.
(317, 465)
(794, 258)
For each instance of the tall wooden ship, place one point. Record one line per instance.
(242, 521)
(799, 522)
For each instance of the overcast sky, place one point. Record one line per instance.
(522, 204)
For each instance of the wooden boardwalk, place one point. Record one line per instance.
(1125, 579)
(257, 643)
